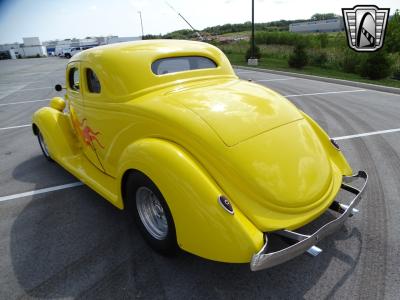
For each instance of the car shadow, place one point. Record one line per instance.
(73, 243)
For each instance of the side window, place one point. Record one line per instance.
(74, 79)
(92, 82)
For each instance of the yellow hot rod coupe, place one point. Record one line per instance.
(202, 160)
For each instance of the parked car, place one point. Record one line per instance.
(202, 160)
(69, 52)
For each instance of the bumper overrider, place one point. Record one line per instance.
(302, 243)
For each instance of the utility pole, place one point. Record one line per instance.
(252, 61)
(141, 22)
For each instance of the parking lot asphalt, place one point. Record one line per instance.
(71, 243)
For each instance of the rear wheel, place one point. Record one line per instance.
(43, 146)
(151, 212)
(67, 55)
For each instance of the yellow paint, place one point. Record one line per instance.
(57, 103)
(197, 134)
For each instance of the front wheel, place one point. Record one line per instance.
(43, 146)
(151, 212)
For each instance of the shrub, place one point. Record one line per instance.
(319, 59)
(299, 58)
(351, 61)
(257, 53)
(376, 65)
(323, 40)
(396, 74)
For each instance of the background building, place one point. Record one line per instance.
(330, 25)
(32, 47)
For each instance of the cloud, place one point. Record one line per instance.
(93, 7)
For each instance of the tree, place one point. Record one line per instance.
(319, 17)
(299, 58)
(392, 39)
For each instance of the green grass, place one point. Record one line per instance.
(281, 65)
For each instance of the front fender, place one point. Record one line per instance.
(203, 227)
(56, 129)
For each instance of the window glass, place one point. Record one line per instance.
(180, 64)
(74, 79)
(92, 81)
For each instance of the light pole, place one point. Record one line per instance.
(141, 22)
(252, 61)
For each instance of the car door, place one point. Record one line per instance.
(103, 117)
(83, 131)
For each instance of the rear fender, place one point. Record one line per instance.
(336, 155)
(203, 227)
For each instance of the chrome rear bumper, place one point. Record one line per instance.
(264, 259)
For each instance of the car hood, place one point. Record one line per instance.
(238, 110)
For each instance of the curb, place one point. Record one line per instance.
(370, 86)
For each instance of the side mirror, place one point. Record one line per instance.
(58, 87)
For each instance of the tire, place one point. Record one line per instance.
(151, 213)
(68, 55)
(43, 146)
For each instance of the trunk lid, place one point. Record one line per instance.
(238, 110)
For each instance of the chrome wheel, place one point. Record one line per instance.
(43, 145)
(151, 213)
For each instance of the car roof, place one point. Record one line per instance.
(126, 67)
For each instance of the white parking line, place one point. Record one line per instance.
(325, 93)
(275, 79)
(41, 191)
(13, 127)
(347, 137)
(22, 102)
(39, 88)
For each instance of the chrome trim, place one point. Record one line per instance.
(263, 259)
(314, 251)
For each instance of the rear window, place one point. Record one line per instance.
(180, 64)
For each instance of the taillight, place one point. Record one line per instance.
(335, 144)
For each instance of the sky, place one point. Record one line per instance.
(52, 19)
